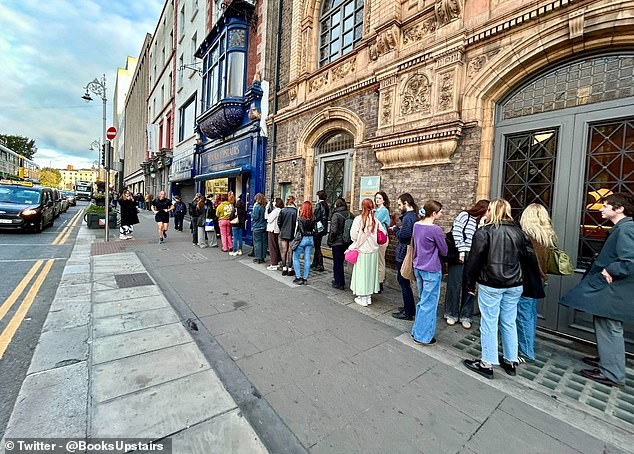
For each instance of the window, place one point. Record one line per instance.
(194, 46)
(224, 67)
(341, 27)
(181, 23)
(186, 114)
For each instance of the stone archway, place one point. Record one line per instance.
(606, 30)
(328, 121)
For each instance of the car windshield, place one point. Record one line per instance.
(9, 194)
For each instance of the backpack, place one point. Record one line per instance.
(347, 226)
(180, 208)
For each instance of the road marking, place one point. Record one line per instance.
(29, 260)
(8, 303)
(18, 317)
(66, 231)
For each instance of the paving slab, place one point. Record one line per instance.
(236, 345)
(129, 306)
(127, 375)
(131, 322)
(106, 296)
(60, 348)
(226, 433)
(136, 342)
(76, 269)
(77, 278)
(162, 410)
(52, 404)
(67, 314)
(67, 289)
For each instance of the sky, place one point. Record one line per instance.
(49, 51)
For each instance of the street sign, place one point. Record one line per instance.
(111, 133)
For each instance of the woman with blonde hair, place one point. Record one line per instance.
(536, 223)
(365, 273)
(501, 254)
(223, 212)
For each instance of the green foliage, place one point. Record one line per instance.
(50, 177)
(21, 145)
(92, 208)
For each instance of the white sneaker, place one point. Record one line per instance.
(239, 252)
(466, 324)
(368, 299)
(272, 267)
(451, 321)
(123, 237)
(360, 300)
(233, 254)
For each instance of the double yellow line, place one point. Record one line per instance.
(66, 231)
(27, 302)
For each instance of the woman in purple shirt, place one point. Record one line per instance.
(429, 244)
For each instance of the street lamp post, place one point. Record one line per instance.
(98, 87)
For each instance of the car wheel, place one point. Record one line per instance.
(40, 226)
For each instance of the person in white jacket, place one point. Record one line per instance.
(273, 231)
(365, 274)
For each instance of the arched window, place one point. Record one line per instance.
(341, 27)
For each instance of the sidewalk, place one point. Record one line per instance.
(114, 360)
(293, 368)
(348, 379)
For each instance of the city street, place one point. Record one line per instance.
(289, 368)
(31, 264)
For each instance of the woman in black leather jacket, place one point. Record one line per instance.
(500, 255)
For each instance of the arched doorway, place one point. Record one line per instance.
(565, 139)
(333, 165)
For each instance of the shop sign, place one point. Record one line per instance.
(181, 169)
(368, 187)
(231, 155)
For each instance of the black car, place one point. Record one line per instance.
(24, 206)
(70, 197)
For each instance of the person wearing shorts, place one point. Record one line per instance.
(161, 208)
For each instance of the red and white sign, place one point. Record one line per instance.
(111, 133)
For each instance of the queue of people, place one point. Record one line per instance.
(488, 255)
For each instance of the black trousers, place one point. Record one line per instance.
(318, 258)
(178, 221)
(337, 264)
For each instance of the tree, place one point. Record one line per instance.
(50, 177)
(21, 145)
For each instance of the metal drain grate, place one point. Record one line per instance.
(558, 374)
(133, 280)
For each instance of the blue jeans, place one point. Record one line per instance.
(498, 305)
(526, 326)
(306, 247)
(428, 295)
(259, 244)
(409, 307)
(236, 233)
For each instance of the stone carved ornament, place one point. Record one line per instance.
(419, 31)
(445, 97)
(448, 10)
(477, 63)
(386, 111)
(416, 95)
(344, 69)
(318, 83)
(385, 42)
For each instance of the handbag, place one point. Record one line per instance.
(209, 225)
(407, 268)
(559, 263)
(453, 255)
(351, 255)
(381, 237)
(234, 221)
(297, 238)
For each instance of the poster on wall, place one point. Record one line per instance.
(218, 186)
(368, 187)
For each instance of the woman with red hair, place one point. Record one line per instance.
(304, 233)
(365, 274)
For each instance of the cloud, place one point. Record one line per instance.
(50, 51)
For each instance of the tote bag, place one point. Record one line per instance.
(559, 263)
(209, 225)
(407, 268)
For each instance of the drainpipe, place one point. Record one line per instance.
(276, 89)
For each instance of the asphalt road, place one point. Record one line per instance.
(32, 263)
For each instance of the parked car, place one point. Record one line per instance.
(64, 202)
(70, 197)
(57, 201)
(25, 206)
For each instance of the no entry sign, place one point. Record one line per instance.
(111, 133)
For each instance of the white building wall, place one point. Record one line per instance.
(191, 30)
